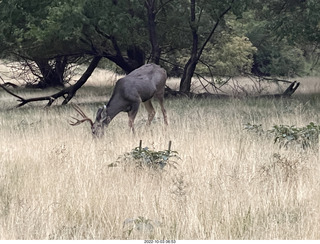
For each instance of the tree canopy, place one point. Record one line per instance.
(211, 37)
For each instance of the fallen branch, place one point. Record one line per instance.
(287, 93)
(66, 93)
(169, 93)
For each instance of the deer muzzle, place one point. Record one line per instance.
(97, 130)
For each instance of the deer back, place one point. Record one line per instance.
(141, 84)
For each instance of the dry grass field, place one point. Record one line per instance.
(55, 182)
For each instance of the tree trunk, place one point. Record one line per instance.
(189, 68)
(135, 54)
(188, 71)
(196, 52)
(71, 91)
(153, 37)
(52, 76)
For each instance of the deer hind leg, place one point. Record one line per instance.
(164, 112)
(132, 115)
(150, 109)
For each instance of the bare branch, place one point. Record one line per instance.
(214, 29)
(269, 79)
(8, 91)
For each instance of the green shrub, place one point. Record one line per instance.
(285, 135)
(305, 136)
(144, 157)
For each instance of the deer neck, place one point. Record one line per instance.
(112, 109)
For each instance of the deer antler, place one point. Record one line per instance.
(84, 116)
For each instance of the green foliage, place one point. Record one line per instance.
(124, 21)
(297, 21)
(144, 157)
(274, 56)
(285, 135)
(277, 58)
(305, 136)
(41, 29)
(285, 34)
(231, 55)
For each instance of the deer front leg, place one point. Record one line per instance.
(132, 115)
(164, 112)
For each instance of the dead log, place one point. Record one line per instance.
(287, 93)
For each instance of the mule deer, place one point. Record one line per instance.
(141, 85)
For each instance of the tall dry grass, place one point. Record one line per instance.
(55, 182)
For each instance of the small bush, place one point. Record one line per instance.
(305, 136)
(140, 225)
(144, 157)
(254, 128)
(285, 135)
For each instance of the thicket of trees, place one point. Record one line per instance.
(208, 37)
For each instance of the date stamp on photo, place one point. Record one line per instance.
(160, 241)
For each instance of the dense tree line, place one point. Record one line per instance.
(208, 37)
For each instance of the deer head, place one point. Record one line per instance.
(97, 126)
(141, 85)
(102, 119)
